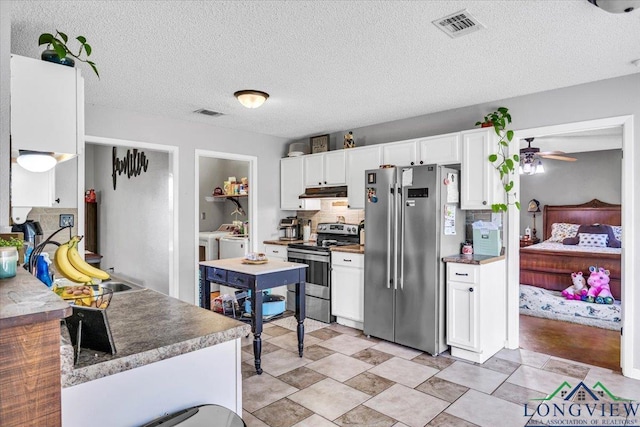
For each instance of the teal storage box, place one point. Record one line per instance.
(486, 242)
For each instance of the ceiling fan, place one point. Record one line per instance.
(530, 158)
(530, 153)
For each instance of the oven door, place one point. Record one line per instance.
(318, 276)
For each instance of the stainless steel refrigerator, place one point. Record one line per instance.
(412, 221)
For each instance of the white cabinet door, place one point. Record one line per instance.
(347, 286)
(480, 182)
(334, 168)
(32, 189)
(441, 150)
(44, 105)
(314, 170)
(291, 182)
(67, 184)
(358, 161)
(462, 312)
(400, 153)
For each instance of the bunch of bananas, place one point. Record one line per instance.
(70, 264)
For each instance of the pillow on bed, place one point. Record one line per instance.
(593, 240)
(617, 232)
(562, 230)
(595, 229)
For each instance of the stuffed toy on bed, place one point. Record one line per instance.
(600, 292)
(578, 290)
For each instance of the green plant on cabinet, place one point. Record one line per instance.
(504, 163)
(58, 42)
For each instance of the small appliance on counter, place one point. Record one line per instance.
(289, 228)
(31, 230)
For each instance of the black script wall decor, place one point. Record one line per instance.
(132, 164)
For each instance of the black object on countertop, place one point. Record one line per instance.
(89, 328)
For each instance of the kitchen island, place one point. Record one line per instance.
(170, 355)
(256, 277)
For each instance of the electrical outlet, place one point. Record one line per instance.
(66, 220)
(202, 215)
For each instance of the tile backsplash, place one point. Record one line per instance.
(330, 210)
(49, 219)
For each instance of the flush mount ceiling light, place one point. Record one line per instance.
(251, 98)
(36, 161)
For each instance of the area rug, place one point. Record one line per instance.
(540, 302)
(291, 323)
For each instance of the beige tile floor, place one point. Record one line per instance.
(347, 379)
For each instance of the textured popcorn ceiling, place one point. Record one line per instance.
(329, 66)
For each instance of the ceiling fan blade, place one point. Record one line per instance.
(558, 157)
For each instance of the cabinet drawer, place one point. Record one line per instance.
(462, 273)
(216, 275)
(238, 279)
(275, 251)
(347, 259)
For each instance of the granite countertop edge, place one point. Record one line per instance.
(71, 376)
(473, 259)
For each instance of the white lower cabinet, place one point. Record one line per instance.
(347, 288)
(476, 310)
(278, 253)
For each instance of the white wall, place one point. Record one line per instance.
(594, 175)
(189, 136)
(213, 172)
(134, 224)
(5, 116)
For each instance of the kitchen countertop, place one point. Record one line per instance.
(472, 259)
(353, 249)
(281, 242)
(147, 327)
(24, 299)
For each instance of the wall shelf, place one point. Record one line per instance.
(224, 197)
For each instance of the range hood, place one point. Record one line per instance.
(324, 192)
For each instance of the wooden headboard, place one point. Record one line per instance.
(593, 212)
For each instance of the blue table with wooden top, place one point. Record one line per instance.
(256, 278)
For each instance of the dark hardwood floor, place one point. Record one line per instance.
(586, 344)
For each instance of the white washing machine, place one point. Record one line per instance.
(232, 247)
(209, 240)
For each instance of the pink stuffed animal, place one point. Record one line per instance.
(579, 288)
(600, 292)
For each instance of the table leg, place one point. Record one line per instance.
(256, 326)
(300, 315)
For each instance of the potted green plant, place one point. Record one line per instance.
(505, 164)
(57, 50)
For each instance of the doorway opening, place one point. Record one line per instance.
(225, 206)
(521, 335)
(135, 215)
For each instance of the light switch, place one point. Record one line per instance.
(202, 215)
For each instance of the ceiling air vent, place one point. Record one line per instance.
(458, 24)
(206, 112)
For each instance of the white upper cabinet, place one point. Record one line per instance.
(32, 189)
(441, 150)
(325, 169)
(480, 184)
(47, 106)
(335, 168)
(358, 161)
(400, 153)
(291, 182)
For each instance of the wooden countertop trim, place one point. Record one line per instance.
(353, 249)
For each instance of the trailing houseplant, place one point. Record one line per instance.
(504, 163)
(11, 241)
(58, 51)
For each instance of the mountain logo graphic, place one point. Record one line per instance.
(583, 393)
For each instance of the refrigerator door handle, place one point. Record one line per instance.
(395, 240)
(389, 237)
(401, 254)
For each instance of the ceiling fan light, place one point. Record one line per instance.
(539, 167)
(520, 171)
(36, 161)
(526, 168)
(251, 98)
